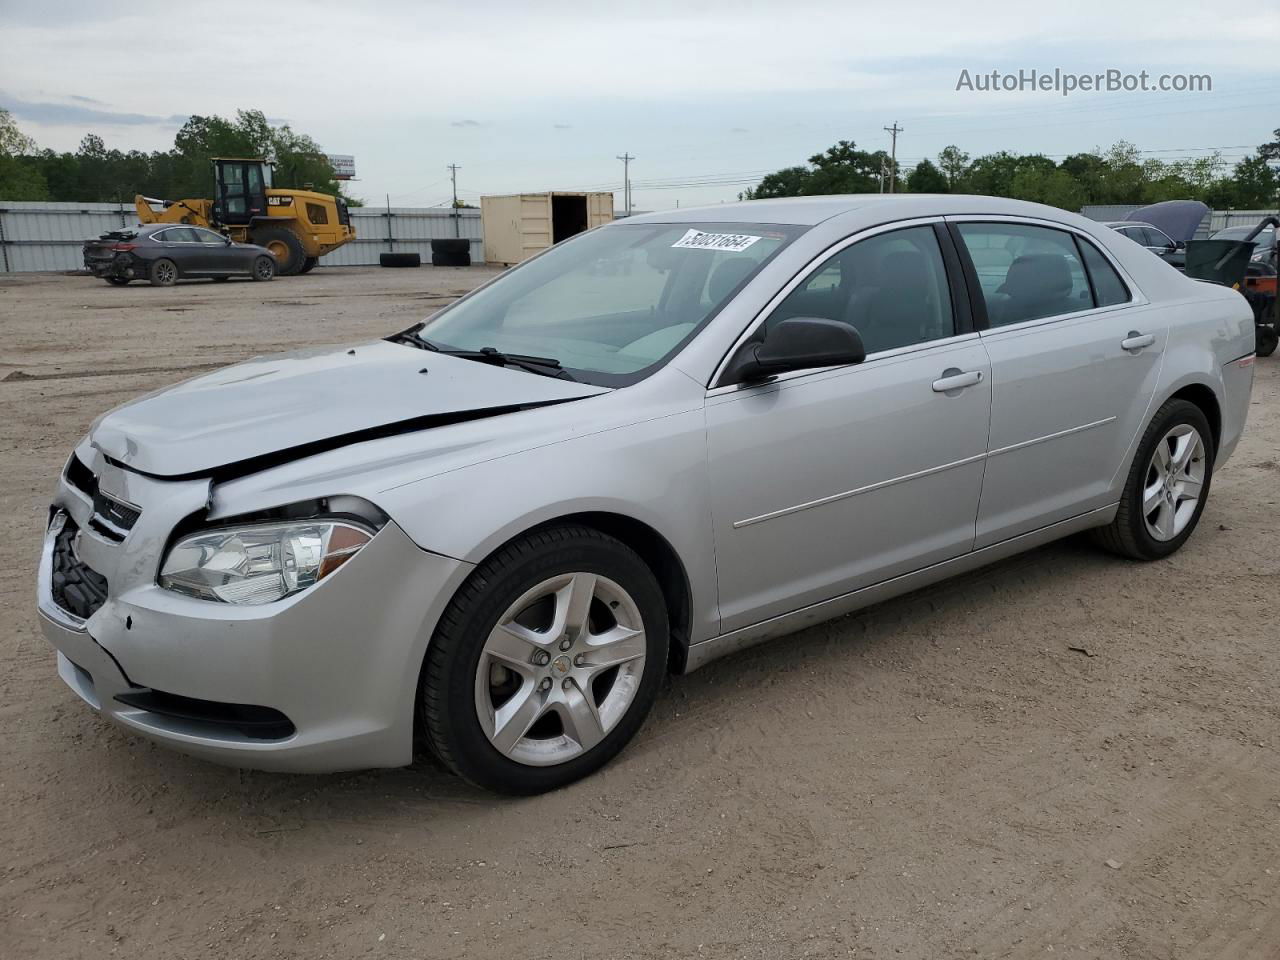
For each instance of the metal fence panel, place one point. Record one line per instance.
(47, 236)
(405, 230)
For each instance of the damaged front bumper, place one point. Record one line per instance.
(322, 681)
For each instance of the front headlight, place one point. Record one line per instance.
(260, 563)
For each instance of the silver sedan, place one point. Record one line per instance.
(652, 445)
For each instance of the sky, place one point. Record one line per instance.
(707, 96)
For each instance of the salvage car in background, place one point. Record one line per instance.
(1146, 235)
(654, 444)
(1262, 262)
(164, 254)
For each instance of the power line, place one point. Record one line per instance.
(626, 159)
(453, 175)
(893, 152)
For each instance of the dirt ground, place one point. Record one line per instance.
(941, 776)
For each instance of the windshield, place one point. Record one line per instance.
(611, 304)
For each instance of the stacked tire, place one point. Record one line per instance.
(451, 253)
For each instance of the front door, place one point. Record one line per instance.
(824, 482)
(1074, 363)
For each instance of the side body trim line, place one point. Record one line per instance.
(881, 484)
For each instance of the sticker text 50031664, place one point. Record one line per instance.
(697, 240)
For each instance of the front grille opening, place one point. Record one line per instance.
(76, 588)
(81, 477)
(257, 723)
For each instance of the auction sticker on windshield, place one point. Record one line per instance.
(697, 240)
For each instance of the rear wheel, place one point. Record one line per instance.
(1167, 487)
(546, 662)
(163, 273)
(264, 268)
(285, 246)
(116, 281)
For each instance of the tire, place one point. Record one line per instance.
(1132, 533)
(459, 676)
(309, 264)
(117, 281)
(1267, 340)
(399, 260)
(285, 246)
(163, 273)
(264, 268)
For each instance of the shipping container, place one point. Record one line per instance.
(519, 225)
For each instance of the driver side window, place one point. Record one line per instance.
(891, 288)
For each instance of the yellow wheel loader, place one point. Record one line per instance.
(297, 226)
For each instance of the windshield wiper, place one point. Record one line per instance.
(411, 339)
(543, 366)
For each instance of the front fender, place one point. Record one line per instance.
(653, 472)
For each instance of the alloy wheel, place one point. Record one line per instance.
(1174, 482)
(560, 669)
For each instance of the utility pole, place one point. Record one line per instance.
(626, 159)
(893, 152)
(453, 175)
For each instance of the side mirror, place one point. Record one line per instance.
(799, 343)
(1179, 245)
(229, 241)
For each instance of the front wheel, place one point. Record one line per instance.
(546, 662)
(1267, 340)
(1167, 487)
(117, 281)
(264, 268)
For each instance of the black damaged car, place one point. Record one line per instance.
(164, 253)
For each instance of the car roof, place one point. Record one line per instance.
(1115, 224)
(810, 211)
(1244, 231)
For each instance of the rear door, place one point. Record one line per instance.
(826, 481)
(1075, 356)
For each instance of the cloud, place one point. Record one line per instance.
(562, 126)
(738, 130)
(465, 123)
(76, 96)
(70, 114)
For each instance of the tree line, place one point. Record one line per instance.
(92, 173)
(1117, 175)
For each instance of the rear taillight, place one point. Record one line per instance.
(123, 247)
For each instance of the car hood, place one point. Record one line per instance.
(270, 410)
(1178, 218)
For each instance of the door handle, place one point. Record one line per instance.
(1137, 341)
(954, 379)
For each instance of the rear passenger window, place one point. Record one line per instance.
(891, 288)
(1026, 273)
(180, 235)
(1108, 288)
